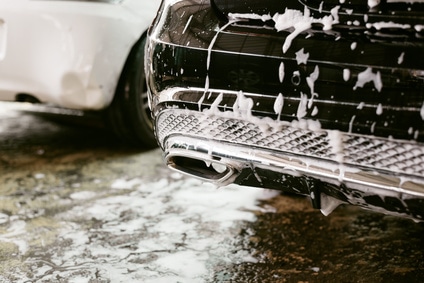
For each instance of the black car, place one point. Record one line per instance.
(320, 98)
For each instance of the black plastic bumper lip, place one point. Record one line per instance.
(326, 187)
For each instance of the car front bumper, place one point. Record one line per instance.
(67, 53)
(224, 114)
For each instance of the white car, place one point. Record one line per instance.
(85, 55)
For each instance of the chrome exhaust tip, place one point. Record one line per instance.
(206, 168)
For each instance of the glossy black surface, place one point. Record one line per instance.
(246, 57)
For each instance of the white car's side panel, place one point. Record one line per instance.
(68, 53)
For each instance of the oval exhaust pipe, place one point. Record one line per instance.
(212, 170)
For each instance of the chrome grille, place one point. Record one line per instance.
(365, 151)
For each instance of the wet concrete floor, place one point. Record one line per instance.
(46, 167)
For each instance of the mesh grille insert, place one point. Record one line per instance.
(373, 153)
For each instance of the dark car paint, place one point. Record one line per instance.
(235, 65)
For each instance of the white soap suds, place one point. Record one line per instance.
(301, 22)
(373, 3)
(243, 106)
(302, 57)
(346, 74)
(328, 204)
(381, 25)
(311, 80)
(281, 72)
(400, 59)
(368, 76)
(314, 111)
(351, 123)
(379, 109)
(278, 105)
(336, 143)
(248, 16)
(301, 110)
(422, 111)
